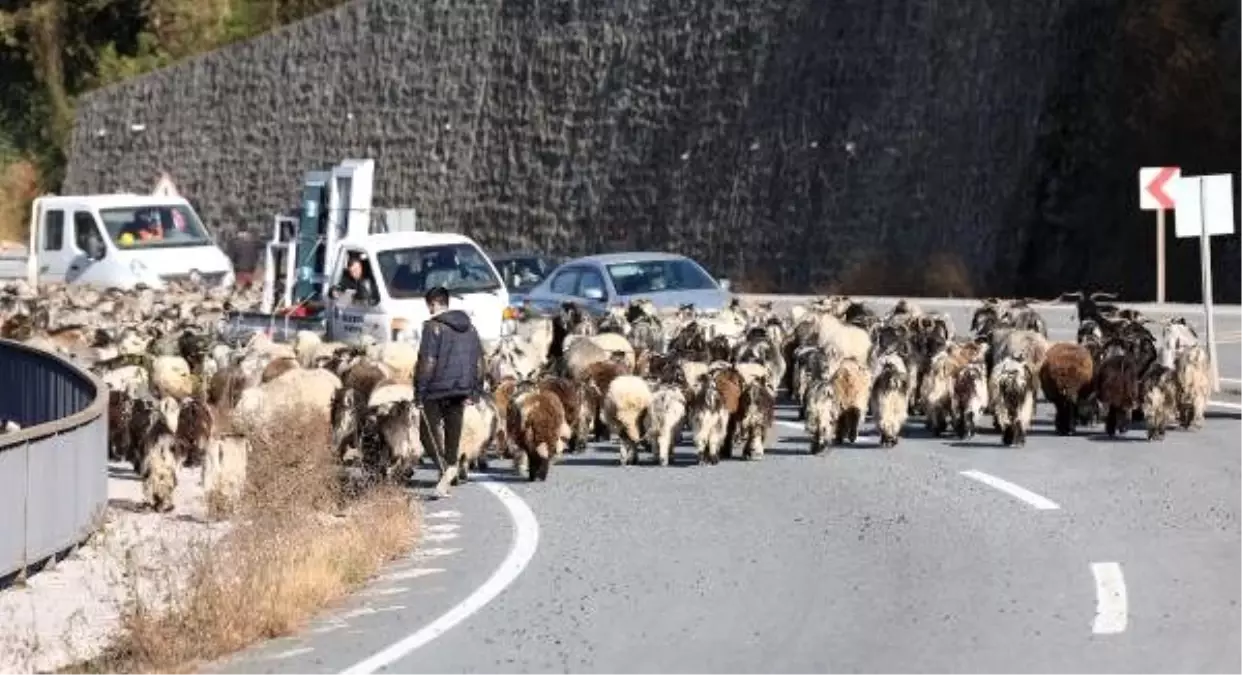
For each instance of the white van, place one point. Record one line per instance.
(118, 240)
(402, 267)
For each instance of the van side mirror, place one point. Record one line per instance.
(725, 284)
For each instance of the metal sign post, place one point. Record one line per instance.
(1156, 189)
(1205, 256)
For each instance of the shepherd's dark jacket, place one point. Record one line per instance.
(450, 358)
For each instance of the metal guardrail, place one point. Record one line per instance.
(54, 470)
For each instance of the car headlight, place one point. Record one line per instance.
(228, 279)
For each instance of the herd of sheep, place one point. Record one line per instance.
(181, 395)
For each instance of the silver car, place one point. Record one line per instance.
(598, 282)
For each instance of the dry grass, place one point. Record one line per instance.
(19, 184)
(298, 544)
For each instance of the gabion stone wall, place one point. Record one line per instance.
(882, 146)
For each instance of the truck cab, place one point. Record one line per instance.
(117, 241)
(400, 268)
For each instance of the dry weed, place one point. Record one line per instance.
(297, 544)
(19, 184)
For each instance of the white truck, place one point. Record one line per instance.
(309, 254)
(116, 241)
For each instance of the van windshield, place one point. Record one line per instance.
(161, 226)
(411, 272)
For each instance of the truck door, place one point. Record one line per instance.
(54, 255)
(350, 318)
(90, 263)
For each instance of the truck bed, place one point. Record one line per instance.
(239, 327)
(13, 263)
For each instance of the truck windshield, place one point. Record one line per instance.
(411, 272)
(161, 226)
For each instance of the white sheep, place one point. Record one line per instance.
(890, 398)
(262, 406)
(937, 392)
(1177, 336)
(402, 357)
(305, 344)
(171, 376)
(969, 398)
(479, 423)
(842, 340)
(709, 419)
(583, 350)
(1013, 399)
(1193, 385)
(666, 413)
(625, 412)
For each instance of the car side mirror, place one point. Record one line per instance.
(94, 249)
(595, 294)
(725, 284)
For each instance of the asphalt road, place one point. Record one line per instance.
(1071, 554)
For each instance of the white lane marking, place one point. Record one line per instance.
(406, 575)
(1230, 380)
(792, 425)
(435, 552)
(1015, 491)
(442, 527)
(288, 653)
(435, 538)
(1226, 404)
(367, 611)
(378, 592)
(525, 542)
(1111, 605)
(443, 514)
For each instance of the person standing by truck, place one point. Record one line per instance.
(244, 250)
(448, 377)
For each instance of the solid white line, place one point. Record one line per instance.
(792, 425)
(1111, 605)
(1226, 404)
(525, 542)
(1016, 491)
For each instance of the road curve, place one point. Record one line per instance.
(909, 559)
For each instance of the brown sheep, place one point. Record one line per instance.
(571, 396)
(850, 384)
(1066, 378)
(195, 424)
(226, 388)
(1117, 385)
(502, 395)
(730, 384)
(364, 376)
(758, 411)
(540, 431)
(277, 367)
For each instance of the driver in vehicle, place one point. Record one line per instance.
(355, 281)
(145, 226)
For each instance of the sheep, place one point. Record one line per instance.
(224, 468)
(1176, 337)
(261, 406)
(809, 363)
(539, 432)
(822, 411)
(514, 357)
(158, 468)
(305, 347)
(578, 414)
(171, 376)
(502, 396)
(596, 379)
(851, 389)
(393, 442)
(195, 424)
(400, 358)
(666, 414)
(127, 378)
(842, 339)
(582, 351)
(969, 398)
(1117, 386)
(480, 422)
(625, 412)
(890, 398)
(757, 410)
(937, 392)
(709, 419)
(1193, 386)
(1013, 404)
(1160, 392)
(345, 417)
(1066, 378)
(277, 367)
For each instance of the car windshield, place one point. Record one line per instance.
(521, 274)
(411, 272)
(161, 226)
(654, 276)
